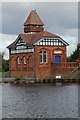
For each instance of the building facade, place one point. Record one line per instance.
(38, 53)
(78, 49)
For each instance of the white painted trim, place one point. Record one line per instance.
(18, 60)
(58, 52)
(22, 51)
(24, 59)
(37, 43)
(19, 39)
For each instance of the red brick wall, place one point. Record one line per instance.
(45, 70)
(21, 69)
(33, 68)
(33, 29)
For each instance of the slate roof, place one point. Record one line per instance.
(33, 19)
(32, 38)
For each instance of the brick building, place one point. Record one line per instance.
(38, 53)
(78, 48)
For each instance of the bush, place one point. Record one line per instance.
(17, 78)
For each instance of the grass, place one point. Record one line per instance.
(0, 74)
(5, 74)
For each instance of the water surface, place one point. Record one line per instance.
(40, 100)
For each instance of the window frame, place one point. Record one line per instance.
(45, 56)
(41, 57)
(18, 60)
(24, 60)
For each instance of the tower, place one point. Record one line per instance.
(33, 23)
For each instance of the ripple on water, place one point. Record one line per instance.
(40, 101)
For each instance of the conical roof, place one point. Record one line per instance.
(33, 19)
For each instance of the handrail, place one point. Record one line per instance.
(65, 64)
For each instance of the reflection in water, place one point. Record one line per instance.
(40, 100)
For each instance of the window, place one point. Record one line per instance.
(45, 57)
(24, 59)
(18, 60)
(41, 57)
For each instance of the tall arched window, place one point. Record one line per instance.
(45, 56)
(24, 59)
(41, 57)
(18, 60)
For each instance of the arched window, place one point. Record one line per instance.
(45, 56)
(41, 57)
(24, 59)
(18, 60)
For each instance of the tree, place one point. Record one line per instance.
(0, 62)
(73, 56)
(4, 64)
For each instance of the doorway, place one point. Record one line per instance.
(57, 58)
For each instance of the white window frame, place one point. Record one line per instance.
(18, 60)
(24, 59)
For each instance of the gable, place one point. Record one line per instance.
(21, 46)
(20, 41)
(51, 42)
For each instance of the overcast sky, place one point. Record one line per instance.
(58, 17)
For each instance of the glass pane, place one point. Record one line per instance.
(45, 56)
(41, 57)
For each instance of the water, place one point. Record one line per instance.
(40, 100)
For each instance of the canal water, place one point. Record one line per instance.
(39, 101)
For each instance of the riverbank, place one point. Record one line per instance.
(34, 80)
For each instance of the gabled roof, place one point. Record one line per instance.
(32, 38)
(11, 45)
(33, 19)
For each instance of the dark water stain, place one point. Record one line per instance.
(39, 100)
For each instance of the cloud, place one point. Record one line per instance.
(70, 48)
(58, 17)
(39, 0)
(5, 41)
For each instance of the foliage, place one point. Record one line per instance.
(4, 64)
(73, 56)
(17, 78)
(7, 74)
(0, 62)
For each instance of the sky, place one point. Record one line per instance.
(60, 18)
